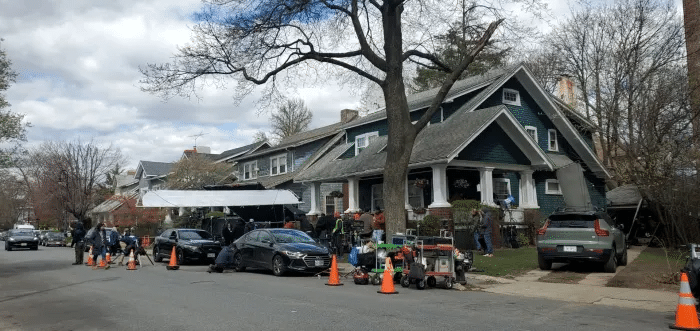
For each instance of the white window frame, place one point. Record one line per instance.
(511, 102)
(552, 192)
(531, 129)
(505, 180)
(334, 204)
(252, 172)
(377, 188)
(366, 136)
(551, 148)
(274, 169)
(415, 192)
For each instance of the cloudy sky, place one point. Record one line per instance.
(78, 63)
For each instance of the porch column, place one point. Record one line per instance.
(315, 199)
(486, 177)
(353, 195)
(407, 205)
(439, 187)
(528, 194)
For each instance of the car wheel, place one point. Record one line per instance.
(35, 248)
(278, 267)
(448, 283)
(543, 263)
(7, 247)
(180, 256)
(156, 254)
(238, 262)
(611, 265)
(405, 282)
(420, 284)
(431, 281)
(623, 259)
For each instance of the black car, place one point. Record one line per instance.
(190, 245)
(280, 250)
(21, 238)
(54, 239)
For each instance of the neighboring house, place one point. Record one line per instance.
(495, 135)
(151, 175)
(276, 166)
(126, 188)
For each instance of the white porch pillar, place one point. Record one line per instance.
(486, 176)
(315, 199)
(439, 187)
(528, 194)
(353, 195)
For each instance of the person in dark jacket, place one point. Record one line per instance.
(485, 229)
(131, 243)
(78, 235)
(113, 242)
(305, 225)
(98, 239)
(227, 233)
(238, 229)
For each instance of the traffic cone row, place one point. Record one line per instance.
(173, 261)
(686, 315)
(334, 279)
(132, 262)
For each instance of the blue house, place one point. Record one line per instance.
(495, 135)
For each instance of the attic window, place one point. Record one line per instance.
(552, 145)
(511, 97)
(551, 186)
(363, 140)
(531, 131)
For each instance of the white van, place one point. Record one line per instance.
(24, 226)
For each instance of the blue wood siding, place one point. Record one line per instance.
(493, 145)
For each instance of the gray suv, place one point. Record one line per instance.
(571, 235)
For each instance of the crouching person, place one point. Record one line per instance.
(223, 261)
(131, 244)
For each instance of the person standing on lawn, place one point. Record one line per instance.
(484, 229)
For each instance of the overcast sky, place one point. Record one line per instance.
(78, 64)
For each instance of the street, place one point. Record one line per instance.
(41, 290)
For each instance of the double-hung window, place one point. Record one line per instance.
(363, 140)
(278, 165)
(501, 188)
(415, 195)
(250, 170)
(552, 144)
(531, 131)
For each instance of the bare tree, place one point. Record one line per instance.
(195, 171)
(70, 173)
(273, 41)
(11, 127)
(260, 136)
(12, 198)
(290, 118)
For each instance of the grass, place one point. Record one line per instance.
(506, 262)
(654, 269)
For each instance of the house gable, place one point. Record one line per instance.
(493, 145)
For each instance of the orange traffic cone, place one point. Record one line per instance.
(90, 262)
(173, 261)
(334, 279)
(103, 263)
(686, 316)
(132, 262)
(388, 279)
(109, 258)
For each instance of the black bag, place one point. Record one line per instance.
(417, 271)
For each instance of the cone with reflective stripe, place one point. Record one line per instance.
(132, 262)
(109, 258)
(103, 263)
(90, 262)
(686, 315)
(388, 279)
(334, 279)
(173, 261)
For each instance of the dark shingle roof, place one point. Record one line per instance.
(156, 168)
(239, 150)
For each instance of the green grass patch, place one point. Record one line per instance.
(507, 262)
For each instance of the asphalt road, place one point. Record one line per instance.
(41, 290)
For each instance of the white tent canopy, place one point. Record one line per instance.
(177, 198)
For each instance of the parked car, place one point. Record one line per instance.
(570, 236)
(190, 245)
(54, 239)
(280, 250)
(21, 238)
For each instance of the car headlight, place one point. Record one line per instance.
(190, 247)
(36, 239)
(12, 239)
(294, 255)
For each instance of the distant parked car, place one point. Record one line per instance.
(569, 236)
(41, 235)
(280, 250)
(190, 245)
(21, 238)
(54, 239)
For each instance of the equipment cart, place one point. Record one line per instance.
(370, 266)
(433, 263)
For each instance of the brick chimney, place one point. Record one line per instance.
(347, 115)
(566, 90)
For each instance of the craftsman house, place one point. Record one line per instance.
(495, 135)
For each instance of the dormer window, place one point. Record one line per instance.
(511, 97)
(363, 140)
(531, 131)
(552, 145)
(278, 165)
(250, 170)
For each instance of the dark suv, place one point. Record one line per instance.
(190, 245)
(571, 235)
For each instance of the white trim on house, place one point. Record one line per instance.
(552, 141)
(276, 164)
(510, 97)
(548, 190)
(365, 139)
(250, 170)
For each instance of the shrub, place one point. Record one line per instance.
(533, 220)
(430, 226)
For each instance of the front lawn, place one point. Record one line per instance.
(654, 269)
(507, 262)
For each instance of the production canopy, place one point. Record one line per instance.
(178, 198)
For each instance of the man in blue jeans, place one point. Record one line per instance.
(484, 228)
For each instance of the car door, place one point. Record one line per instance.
(265, 249)
(618, 235)
(247, 247)
(169, 240)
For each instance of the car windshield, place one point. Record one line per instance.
(572, 221)
(29, 233)
(194, 234)
(54, 235)
(292, 236)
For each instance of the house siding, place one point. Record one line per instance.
(548, 202)
(493, 145)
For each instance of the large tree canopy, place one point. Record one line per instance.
(269, 42)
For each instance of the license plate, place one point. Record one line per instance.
(319, 263)
(23, 244)
(211, 255)
(570, 249)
